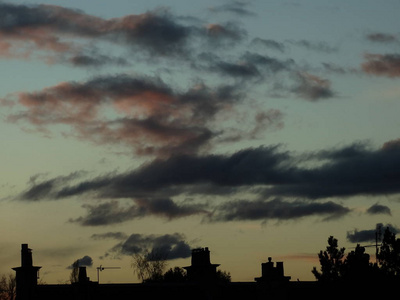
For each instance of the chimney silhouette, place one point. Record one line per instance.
(271, 273)
(201, 270)
(26, 275)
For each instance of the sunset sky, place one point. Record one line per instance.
(255, 128)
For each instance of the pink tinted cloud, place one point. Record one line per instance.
(392, 145)
(312, 87)
(227, 32)
(140, 112)
(53, 28)
(387, 65)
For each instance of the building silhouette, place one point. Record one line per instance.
(201, 270)
(26, 275)
(271, 273)
(201, 284)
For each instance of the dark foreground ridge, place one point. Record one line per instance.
(201, 283)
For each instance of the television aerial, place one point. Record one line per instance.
(101, 268)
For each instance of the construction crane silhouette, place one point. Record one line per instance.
(101, 268)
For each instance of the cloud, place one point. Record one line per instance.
(47, 26)
(268, 64)
(112, 212)
(27, 30)
(387, 65)
(314, 46)
(24, 27)
(271, 44)
(40, 190)
(235, 7)
(265, 120)
(312, 88)
(167, 208)
(173, 246)
(242, 69)
(392, 145)
(178, 173)
(369, 235)
(109, 235)
(224, 34)
(85, 261)
(277, 209)
(348, 171)
(150, 116)
(382, 37)
(336, 69)
(105, 214)
(96, 60)
(379, 209)
(270, 171)
(249, 66)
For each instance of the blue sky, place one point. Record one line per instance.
(255, 128)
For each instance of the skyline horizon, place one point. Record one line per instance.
(365, 236)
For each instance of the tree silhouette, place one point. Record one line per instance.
(7, 287)
(389, 255)
(356, 266)
(331, 261)
(74, 275)
(149, 266)
(176, 274)
(223, 276)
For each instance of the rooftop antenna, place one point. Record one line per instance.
(101, 268)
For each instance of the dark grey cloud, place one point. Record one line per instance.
(166, 207)
(248, 66)
(173, 246)
(317, 46)
(238, 8)
(369, 235)
(243, 70)
(337, 69)
(43, 189)
(15, 17)
(269, 64)
(351, 170)
(97, 60)
(281, 46)
(227, 34)
(85, 261)
(246, 167)
(379, 209)
(278, 209)
(113, 212)
(312, 87)
(270, 44)
(106, 214)
(155, 33)
(380, 37)
(343, 172)
(109, 235)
